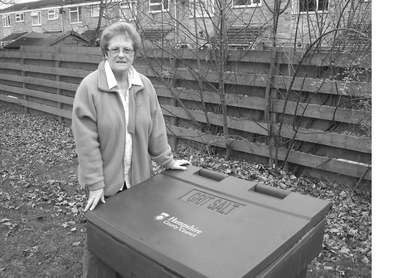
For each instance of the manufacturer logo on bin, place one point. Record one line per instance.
(174, 223)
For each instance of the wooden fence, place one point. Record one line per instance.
(301, 109)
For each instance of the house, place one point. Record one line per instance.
(250, 24)
(242, 24)
(69, 38)
(52, 16)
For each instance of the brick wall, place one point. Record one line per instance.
(293, 26)
(62, 23)
(254, 16)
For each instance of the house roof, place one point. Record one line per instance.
(90, 33)
(355, 38)
(155, 34)
(40, 4)
(66, 34)
(40, 39)
(244, 34)
(13, 36)
(33, 39)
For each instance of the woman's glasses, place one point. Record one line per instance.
(118, 50)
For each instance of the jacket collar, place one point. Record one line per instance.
(107, 81)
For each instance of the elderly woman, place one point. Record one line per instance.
(118, 126)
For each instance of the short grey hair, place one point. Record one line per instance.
(119, 28)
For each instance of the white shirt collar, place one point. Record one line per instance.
(133, 77)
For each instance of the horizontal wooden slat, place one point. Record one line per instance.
(37, 94)
(317, 111)
(63, 49)
(256, 80)
(307, 135)
(233, 100)
(47, 70)
(57, 71)
(70, 57)
(334, 165)
(282, 83)
(37, 106)
(284, 57)
(41, 82)
(321, 86)
(215, 119)
(10, 66)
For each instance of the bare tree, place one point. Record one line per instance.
(276, 12)
(343, 26)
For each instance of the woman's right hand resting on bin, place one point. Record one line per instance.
(94, 197)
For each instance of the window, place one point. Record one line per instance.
(36, 18)
(203, 8)
(238, 46)
(75, 15)
(313, 5)
(127, 12)
(52, 14)
(158, 5)
(95, 10)
(19, 17)
(6, 21)
(246, 3)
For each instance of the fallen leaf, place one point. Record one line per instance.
(365, 260)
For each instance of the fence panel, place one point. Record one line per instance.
(281, 105)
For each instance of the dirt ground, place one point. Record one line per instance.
(42, 226)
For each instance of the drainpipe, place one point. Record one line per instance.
(62, 18)
(177, 22)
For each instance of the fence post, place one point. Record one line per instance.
(271, 94)
(22, 50)
(58, 79)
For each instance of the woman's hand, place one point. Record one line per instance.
(94, 197)
(178, 165)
